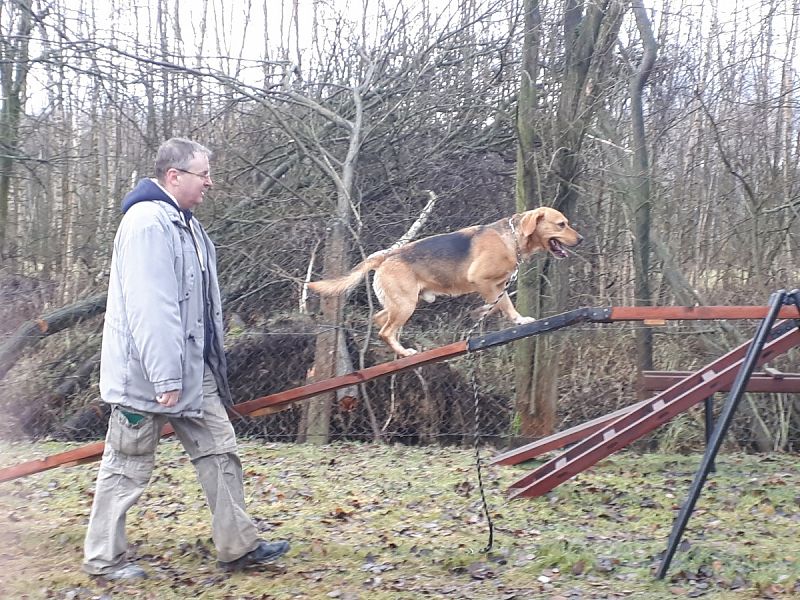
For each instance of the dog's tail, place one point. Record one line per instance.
(335, 287)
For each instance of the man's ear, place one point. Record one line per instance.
(170, 177)
(530, 221)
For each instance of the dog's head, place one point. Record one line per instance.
(545, 228)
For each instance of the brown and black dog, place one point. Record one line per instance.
(478, 259)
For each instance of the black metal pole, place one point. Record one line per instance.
(721, 428)
(708, 404)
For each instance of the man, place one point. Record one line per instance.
(162, 360)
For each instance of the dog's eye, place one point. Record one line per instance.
(562, 224)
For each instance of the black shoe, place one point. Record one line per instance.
(263, 553)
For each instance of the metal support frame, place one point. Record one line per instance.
(754, 352)
(708, 410)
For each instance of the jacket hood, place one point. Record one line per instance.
(148, 190)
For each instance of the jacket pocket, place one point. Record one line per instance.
(132, 435)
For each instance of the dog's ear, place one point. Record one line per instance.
(530, 220)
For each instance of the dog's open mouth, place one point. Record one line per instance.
(557, 248)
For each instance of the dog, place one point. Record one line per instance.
(479, 259)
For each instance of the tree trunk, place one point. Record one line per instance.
(14, 66)
(587, 38)
(640, 190)
(528, 196)
(328, 345)
(31, 332)
(332, 358)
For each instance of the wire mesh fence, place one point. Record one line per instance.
(431, 404)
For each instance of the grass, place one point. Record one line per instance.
(394, 522)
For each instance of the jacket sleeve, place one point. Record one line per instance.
(150, 294)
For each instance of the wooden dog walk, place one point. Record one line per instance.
(606, 435)
(652, 315)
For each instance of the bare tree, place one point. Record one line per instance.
(640, 195)
(17, 26)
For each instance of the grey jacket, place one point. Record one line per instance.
(162, 294)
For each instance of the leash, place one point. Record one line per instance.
(476, 400)
(478, 462)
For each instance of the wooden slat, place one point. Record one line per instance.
(786, 383)
(560, 439)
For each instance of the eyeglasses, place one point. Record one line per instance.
(200, 175)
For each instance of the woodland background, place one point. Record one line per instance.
(668, 131)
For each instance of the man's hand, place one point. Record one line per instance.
(169, 399)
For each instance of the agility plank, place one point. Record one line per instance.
(580, 432)
(560, 439)
(252, 408)
(653, 413)
(697, 313)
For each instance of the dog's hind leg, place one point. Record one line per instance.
(380, 318)
(396, 317)
(398, 290)
(390, 334)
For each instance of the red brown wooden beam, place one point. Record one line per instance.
(785, 383)
(560, 439)
(643, 420)
(78, 456)
(259, 406)
(635, 313)
(265, 404)
(697, 313)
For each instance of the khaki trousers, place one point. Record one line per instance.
(126, 467)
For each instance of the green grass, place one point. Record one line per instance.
(368, 521)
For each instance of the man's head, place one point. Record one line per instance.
(182, 168)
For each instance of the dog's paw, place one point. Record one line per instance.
(524, 320)
(407, 352)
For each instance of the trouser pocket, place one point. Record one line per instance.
(132, 434)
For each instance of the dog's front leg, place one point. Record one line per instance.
(500, 300)
(491, 285)
(507, 307)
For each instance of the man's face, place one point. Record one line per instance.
(189, 185)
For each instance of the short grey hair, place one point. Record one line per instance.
(177, 153)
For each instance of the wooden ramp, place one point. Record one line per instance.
(253, 408)
(620, 429)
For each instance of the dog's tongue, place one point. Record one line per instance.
(557, 249)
